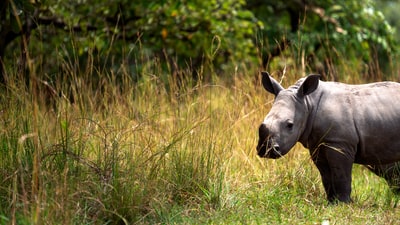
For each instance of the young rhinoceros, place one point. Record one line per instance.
(340, 124)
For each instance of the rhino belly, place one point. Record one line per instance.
(379, 146)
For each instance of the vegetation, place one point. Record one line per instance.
(142, 155)
(205, 37)
(147, 113)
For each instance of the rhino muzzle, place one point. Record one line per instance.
(269, 151)
(266, 147)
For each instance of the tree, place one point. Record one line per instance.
(354, 28)
(16, 21)
(181, 33)
(190, 34)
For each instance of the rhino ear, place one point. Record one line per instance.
(270, 84)
(309, 85)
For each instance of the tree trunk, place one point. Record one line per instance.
(2, 70)
(3, 14)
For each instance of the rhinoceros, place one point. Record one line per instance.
(340, 124)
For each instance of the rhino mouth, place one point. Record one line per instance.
(267, 147)
(268, 150)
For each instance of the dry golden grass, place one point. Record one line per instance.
(144, 153)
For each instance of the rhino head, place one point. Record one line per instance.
(286, 121)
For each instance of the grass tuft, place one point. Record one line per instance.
(157, 151)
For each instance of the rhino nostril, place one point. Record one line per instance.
(276, 148)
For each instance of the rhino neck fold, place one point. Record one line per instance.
(311, 111)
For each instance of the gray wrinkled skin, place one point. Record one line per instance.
(340, 124)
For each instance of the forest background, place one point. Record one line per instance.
(203, 36)
(147, 111)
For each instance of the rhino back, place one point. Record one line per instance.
(361, 120)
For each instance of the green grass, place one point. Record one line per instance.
(135, 153)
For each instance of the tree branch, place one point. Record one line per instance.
(321, 13)
(59, 23)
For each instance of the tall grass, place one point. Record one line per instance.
(132, 152)
(141, 152)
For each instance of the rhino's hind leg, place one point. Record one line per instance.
(390, 172)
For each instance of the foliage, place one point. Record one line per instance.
(199, 36)
(184, 34)
(326, 32)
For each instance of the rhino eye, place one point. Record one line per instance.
(289, 125)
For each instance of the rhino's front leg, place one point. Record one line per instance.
(335, 169)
